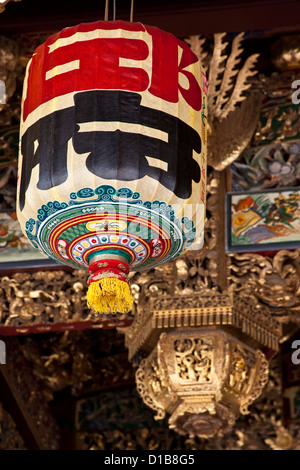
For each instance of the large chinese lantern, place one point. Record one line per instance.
(113, 153)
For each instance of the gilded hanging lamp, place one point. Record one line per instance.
(112, 164)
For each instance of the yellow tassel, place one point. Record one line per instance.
(109, 295)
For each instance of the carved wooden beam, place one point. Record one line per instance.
(27, 307)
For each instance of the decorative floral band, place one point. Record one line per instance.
(111, 268)
(109, 263)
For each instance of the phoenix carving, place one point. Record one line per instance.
(232, 114)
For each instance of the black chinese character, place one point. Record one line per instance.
(116, 154)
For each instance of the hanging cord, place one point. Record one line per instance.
(131, 11)
(114, 11)
(106, 10)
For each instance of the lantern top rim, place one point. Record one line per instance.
(106, 25)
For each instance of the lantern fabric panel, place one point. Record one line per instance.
(113, 148)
